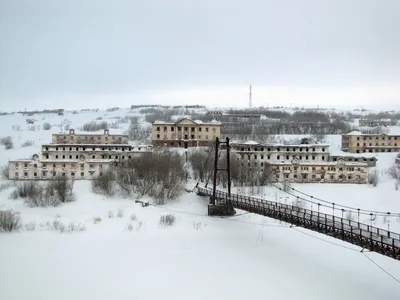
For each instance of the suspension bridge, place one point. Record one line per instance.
(363, 235)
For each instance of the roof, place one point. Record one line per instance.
(253, 143)
(327, 163)
(198, 122)
(94, 145)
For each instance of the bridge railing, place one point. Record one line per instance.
(378, 234)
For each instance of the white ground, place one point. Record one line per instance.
(244, 257)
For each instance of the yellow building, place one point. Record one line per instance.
(185, 133)
(357, 142)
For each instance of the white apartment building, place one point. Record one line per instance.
(43, 169)
(82, 160)
(304, 163)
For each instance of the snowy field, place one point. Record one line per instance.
(129, 256)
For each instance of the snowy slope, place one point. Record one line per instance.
(243, 257)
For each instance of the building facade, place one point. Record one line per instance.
(93, 151)
(47, 169)
(76, 160)
(305, 163)
(185, 133)
(356, 142)
(72, 138)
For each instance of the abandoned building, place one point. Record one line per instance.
(357, 142)
(76, 160)
(185, 133)
(304, 163)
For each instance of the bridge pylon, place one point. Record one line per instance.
(221, 206)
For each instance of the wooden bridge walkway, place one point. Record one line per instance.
(360, 234)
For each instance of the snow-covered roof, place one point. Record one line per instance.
(280, 145)
(251, 143)
(354, 132)
(198, 122)
(327, 163)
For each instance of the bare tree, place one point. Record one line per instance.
(105, 184)
(62, 188)
(5, 171)
(10, 221)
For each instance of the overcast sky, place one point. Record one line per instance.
(94, 53)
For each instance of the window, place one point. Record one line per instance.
(25, 165)
(199, 129)
(63, 174)
(63, 156)
(63, 165)
(44, 173)
(93, 156)
(35, 165)
(313, 157)
(172, 128)
(54, 165)
(278, 157)
(56, 156)
(206, 129)
(70, 157)
(165, 129)
(213, 129)
(82, 174)
(16, 174)
(186, 128)
(158, 136)
(73, 174)
(26, 174)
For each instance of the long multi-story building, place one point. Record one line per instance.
(185, 133)
(356, 142)
(72, 138)
(303, 163)
(76, 160)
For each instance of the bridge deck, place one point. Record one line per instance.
(360, 234)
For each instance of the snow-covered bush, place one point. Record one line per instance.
(52, 193)
(133, 217)
(373, 177)
(31, 226)
(7, 142)
(10, 221)
(46, 126)
(111, 214)
(120, 213)
(167, 220)
(28, 144)
(5, 174)
(93, 126)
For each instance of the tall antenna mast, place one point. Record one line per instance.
(250, 102)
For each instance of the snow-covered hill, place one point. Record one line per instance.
(129, 256)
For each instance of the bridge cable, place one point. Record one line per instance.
(339, 205)
(380, 267)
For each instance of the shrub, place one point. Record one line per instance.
(120, 213)
(62, 188)
(31, 226)
(28, 144)
(133, 217)
(373, 177)
(167, 220)
(7, 142)
(10, 221)
(394, 172)
(46, 126)
(110, 214)
(5, 174)
(93, 126)
(53, 193)
(105, 184)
